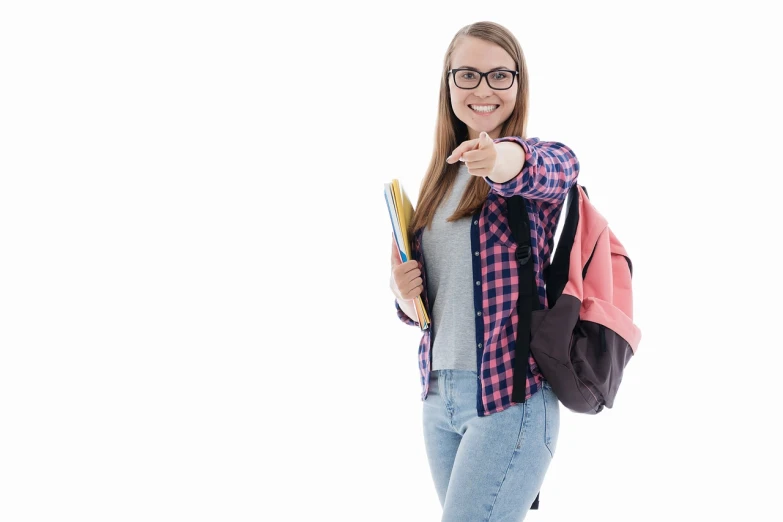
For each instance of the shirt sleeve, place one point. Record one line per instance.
(549, 171)
(403, 316)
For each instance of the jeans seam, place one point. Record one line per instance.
(546, 424)
(522, 430)
(511, 460)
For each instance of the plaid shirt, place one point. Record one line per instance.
(549, 171)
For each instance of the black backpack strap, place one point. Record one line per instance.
(556, 274)
(528, 293)
(528, 297)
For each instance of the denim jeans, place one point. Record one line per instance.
(487, 469)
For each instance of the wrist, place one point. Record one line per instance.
(509, 162)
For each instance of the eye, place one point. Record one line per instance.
(499, 75)
(467, 75)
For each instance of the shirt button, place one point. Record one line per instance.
(475, 221)
(478, 283)
(478, 313)
(479, 345)
(475, 253)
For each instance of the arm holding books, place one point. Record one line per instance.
(405, 282)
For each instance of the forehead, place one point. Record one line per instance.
(483, 55)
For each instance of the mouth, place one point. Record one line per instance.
(483, 109)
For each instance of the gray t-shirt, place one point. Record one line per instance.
(446, 249)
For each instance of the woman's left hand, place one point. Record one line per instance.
(480, 155)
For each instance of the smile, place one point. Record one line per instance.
(484, 109)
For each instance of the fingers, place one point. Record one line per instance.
(481, 161)
(407, 277)
(459, 151)
(472, 156)
(415, 289)
(407, 270)
(478, 165)
(410, 288)
(455, 154)
(473, 150)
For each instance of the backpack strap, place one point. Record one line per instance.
(528, 297)
(556, 274)
(528, 294)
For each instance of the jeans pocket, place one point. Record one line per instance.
(552, 420)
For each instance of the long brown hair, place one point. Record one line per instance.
(450, 131)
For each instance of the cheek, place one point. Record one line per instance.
(508, 106)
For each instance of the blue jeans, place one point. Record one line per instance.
(487, 469)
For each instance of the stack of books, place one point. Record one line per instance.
(401, 214)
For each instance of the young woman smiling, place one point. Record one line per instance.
(488, 454)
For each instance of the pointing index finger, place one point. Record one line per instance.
(464, 146)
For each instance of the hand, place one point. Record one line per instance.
(479, 155)
(405, 282)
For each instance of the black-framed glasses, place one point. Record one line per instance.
(498, 79)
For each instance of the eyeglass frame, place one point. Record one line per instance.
(482, 76)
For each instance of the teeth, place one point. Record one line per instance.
(483, 108)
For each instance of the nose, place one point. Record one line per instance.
(483, 90)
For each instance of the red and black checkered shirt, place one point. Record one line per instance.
(549, 171)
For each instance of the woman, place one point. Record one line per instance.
(488, 454)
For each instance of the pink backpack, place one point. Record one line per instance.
(584, 340)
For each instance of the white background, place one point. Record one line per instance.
(195, 319)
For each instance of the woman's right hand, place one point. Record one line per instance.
(405, 282)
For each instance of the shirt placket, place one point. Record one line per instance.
(478, 304)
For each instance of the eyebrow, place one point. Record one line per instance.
(493, 69)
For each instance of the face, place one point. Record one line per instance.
(484, 57)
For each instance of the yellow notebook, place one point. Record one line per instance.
(401, 215)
